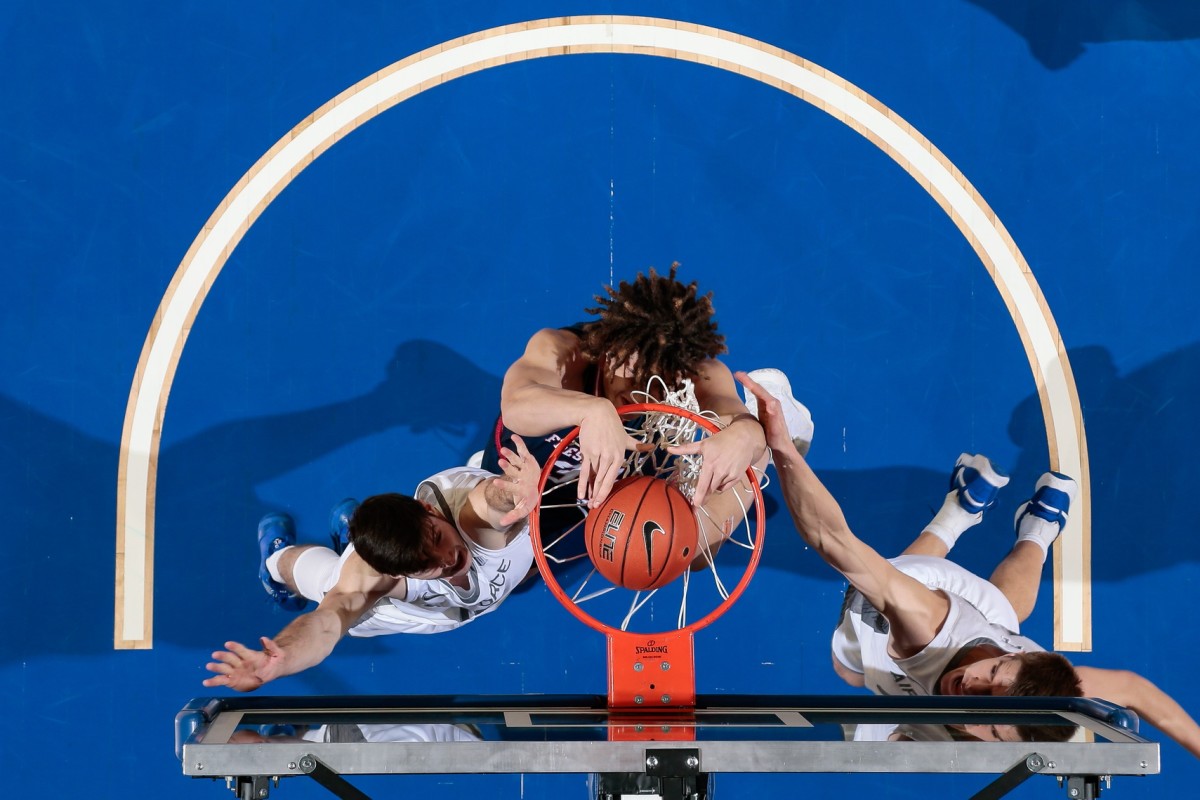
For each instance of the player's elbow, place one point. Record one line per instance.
(851, 677)
(339, 613)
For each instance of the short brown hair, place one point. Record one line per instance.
(1045, 675)
(388, 532)
(666, 324)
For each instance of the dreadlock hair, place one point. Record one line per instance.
(665, 324)
(1045, 675)
(388, 532)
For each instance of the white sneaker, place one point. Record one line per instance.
(1042, 519)
(799, 421)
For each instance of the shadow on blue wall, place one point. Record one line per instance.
(1058, 30)
(206, 505)
(1141, 435)
(1140, 429)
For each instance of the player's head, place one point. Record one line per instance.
(1014, 733)
(399, 535)
(653, 326)
(1045, 675)
(1018, 674)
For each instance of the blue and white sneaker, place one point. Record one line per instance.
(976, 481)
(275, 532)
(795, 414)
(1042, 518)
(339, 524)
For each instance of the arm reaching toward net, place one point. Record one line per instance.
(1152, 704)
(307, 640)
(535, 402)
(915, 612)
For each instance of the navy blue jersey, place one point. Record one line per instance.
(567, 465)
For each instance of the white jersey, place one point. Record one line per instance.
(429, 732)
(979, 614)
(433, 606)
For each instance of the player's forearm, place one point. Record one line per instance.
(538, 409)
(1160, 710)
(308, 640)
(745, 429)
(815, 513)
(822, 525)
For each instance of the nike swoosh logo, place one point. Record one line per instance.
(649, 528)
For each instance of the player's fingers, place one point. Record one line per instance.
(768, 404)
(685, 449)
(728, 482)
(641, 447)
(585, 478)
(514, 463)
(522, 450)
(218, 680)
(751, 384)
(221, 655)
(705, 486)
(604, 484)
(237, 649)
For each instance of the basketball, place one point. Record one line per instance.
(644, 535)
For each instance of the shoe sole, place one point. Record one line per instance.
(992, 478)
(1058, 483)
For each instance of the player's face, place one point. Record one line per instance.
(992, 733)
(989, 676)
(619, 388)
(446, 546)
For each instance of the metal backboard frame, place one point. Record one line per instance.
(723, 733)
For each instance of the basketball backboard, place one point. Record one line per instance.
(670, 753)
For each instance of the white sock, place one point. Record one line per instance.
(952, 520)
(1039, 531)
(273, 564)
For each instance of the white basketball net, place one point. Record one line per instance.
(662, 429)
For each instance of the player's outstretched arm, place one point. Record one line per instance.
(304, 643)
(1152, 704)
(533, 402)
(915, 612)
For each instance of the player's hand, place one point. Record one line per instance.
(243, 669)
(770, 415)
(603, 443)
(521, 479)
(727, 455)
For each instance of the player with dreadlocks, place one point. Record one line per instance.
(579, 375)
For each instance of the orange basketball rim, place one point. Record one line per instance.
(650, 667)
